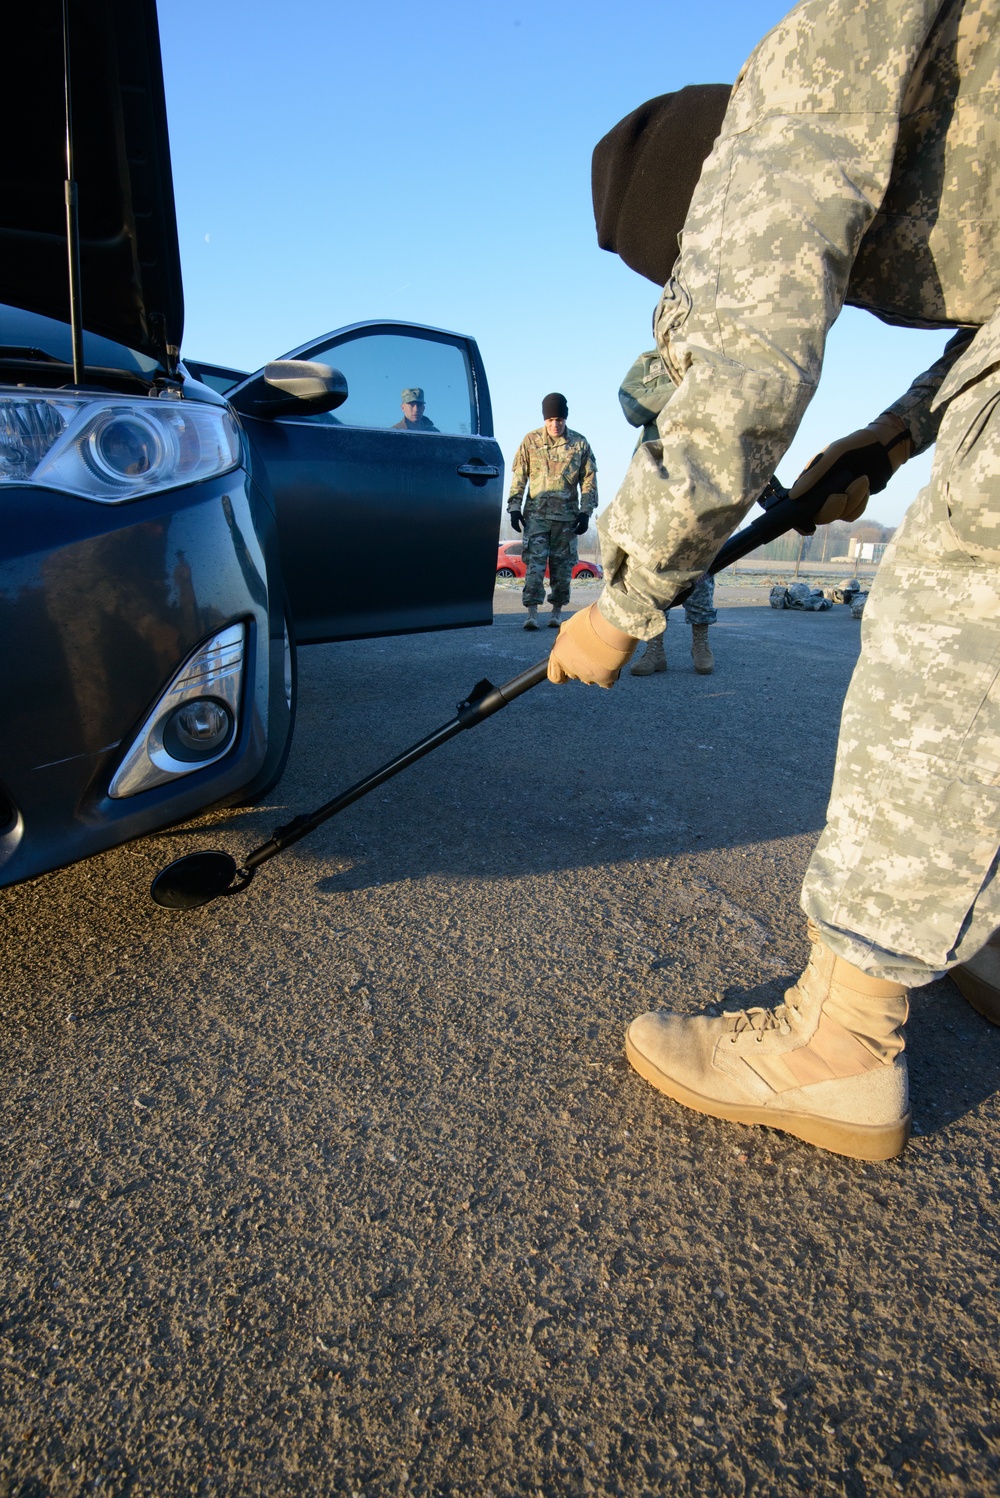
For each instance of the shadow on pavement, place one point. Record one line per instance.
(571, 776)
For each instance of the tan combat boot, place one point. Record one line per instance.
(653, 658)
(827, 1065)
(556, 618)
(701, 650)
(979, 980)
(532, 620)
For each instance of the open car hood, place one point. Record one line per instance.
(130, 261)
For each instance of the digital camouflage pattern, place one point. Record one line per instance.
(843, 109)
(642, 395)
(908, 861)
(551, 541)
(859, 161)
(700, 607)
(559, 473)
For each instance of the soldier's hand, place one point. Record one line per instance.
(516, 519)
(589, 649)
(852, 469)
(581, 523)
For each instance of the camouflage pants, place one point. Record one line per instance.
(700, 607)
(903, 882)
(551, 541)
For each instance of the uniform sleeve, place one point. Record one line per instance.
(914, 408)
(519, 476)
(797, 174)
(588, 480)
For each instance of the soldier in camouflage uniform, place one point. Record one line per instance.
(557, 467)
(858, 161)
(644, 392)
(413, 406)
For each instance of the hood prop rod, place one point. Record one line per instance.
(72, 216)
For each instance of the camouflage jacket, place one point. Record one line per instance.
(555, 471)
(857, 161)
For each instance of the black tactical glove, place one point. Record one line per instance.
(516, 519)
(581, 523)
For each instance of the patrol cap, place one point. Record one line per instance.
(645, 170)
(555, 405)
(413, 395)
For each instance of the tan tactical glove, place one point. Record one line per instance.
(590, 649)
(854, 468)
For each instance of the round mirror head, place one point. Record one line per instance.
(193, 880)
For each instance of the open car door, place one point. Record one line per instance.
(386, 526)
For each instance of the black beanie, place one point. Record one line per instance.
(555, 405)
(645, 170)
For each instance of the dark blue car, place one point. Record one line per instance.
(170, 531)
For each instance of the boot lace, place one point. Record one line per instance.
(761, 1021)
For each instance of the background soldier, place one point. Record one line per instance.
(644, 392)
(558, 469)
(413, 405)
(857, 161)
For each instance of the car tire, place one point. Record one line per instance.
(506, 572)
(257, 790)
(585, 572)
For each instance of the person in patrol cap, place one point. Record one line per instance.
(413, 404)
(857, 162)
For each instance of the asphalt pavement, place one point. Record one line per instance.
(343, 1185)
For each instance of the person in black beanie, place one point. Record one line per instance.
(556, 466)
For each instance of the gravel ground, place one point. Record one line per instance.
(344, 1185)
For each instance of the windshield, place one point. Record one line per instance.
(23, 331)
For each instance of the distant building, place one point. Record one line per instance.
(866, 551)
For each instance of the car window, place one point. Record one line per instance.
(514, 549)
(219, 383)
(414, 385)
(215, 377)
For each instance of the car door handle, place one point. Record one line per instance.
(478, 471)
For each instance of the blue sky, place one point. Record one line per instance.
(337, 161)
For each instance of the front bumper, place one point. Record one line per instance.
(99, 605)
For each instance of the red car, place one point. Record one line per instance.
(509, 563)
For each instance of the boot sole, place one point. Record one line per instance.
(652, 672)
(857, 1141)
(982, 996)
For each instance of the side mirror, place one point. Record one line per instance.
(291, 387)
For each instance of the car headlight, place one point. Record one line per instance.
(112, 450)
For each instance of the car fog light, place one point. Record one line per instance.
(195, 720)
(198, 729)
